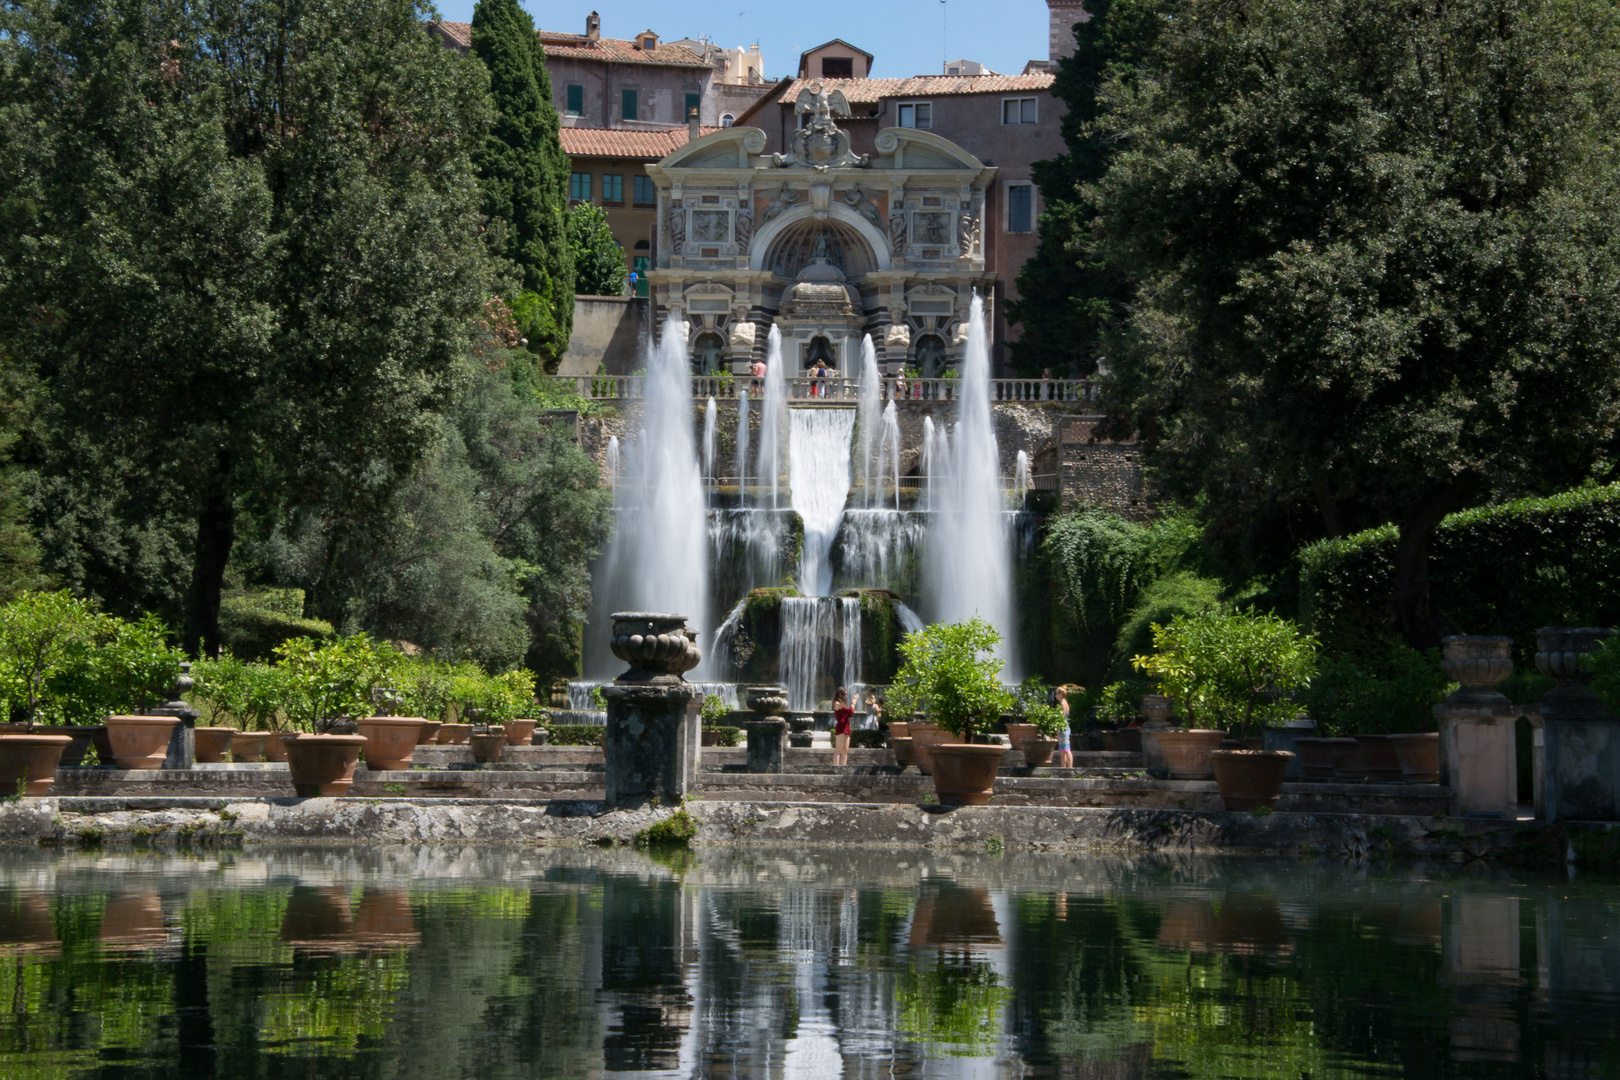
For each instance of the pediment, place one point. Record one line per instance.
(908, 148)
(728, 148)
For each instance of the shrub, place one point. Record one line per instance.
(248, 695)
(1505, 569)
(325, 680)
(677, 830)
(1230, 670)
(1345, 699)
(128, 667)
(1120, 702)
(1604, 664)
(950, 671)
(40, 632)
(729, 736)
(252, 624)
(1160, 603)
(575, 734)
(498, 698)
(1048, 719)
(714, 710)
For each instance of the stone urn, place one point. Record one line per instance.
(213, 743)
(29, 762)
(1157, 709)
(658, 646)
(1479, 663)
(140, 742)
(1559, 650)
(248, 746)
(323, 764)
(390, 740)
(767, 701)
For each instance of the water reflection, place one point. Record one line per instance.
(517, 963)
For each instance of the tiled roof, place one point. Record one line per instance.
(871, 91)
(593, 142)
(579, 47)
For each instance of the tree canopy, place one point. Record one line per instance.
(1375, 250)
(598, 258)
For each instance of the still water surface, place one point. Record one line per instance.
(495, 963)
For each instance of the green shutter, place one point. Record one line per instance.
(628, 98)
(576, 100)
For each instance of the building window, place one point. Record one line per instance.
(1020, 208)
(646, 194)
(1018, 110)
(726, 119)
(575, 103)
(918, 114)
(693, 103)
(627, 104)
(579, 187)
(837, 67)
(613, 189)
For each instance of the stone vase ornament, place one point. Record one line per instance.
(1559, 652)
(391, 741)
(1478, 755)
(248, 746)
(140, 742)
(1186, 752)
(651, 742)
(658, 647)
(1157, 710)
(1249, 778)
(28, 762)
(213, 743)
(1580, 738)
(767, 701)
(323, 764)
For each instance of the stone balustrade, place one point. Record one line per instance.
(837, 388)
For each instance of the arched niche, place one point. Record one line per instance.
(783, 240)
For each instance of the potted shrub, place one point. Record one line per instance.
(1235, 670)
(1387, 709)
(951, 671)
(1048, 723)
(713, 711)
(325, 684)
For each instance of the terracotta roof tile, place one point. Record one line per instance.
(579, 47)
(593, 142)
(871, 91)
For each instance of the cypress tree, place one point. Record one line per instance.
(523, 173)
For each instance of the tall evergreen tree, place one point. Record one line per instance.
(1065, 294)
(524, 175)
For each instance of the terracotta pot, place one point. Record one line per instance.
(1037, 751)
(1420, 757)
(904, 753)
(924, 736)
(1349, 758)
(454, 734)
(429, 735)
(900, 729)
(710, 737)
(323, 764)
(248, 746)
(1017, 733)
(390, 740)
(30, 760)
(520, 732)
(213, 743)
(965, 773)
(275, 745)
(487, 748)
(1383, 764)
(1249, 778)
(1316, 757)
(81, 739)
(1125, 740)
(1186, 751)
(140, 742)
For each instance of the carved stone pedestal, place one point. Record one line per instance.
(766, 741)
(182, 752)
(1580, 738)
(1157, 709)
(650, 749)
(1478, 757)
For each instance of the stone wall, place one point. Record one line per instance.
(1100, 472)
(607, 334)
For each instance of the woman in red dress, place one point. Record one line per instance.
(842, 715)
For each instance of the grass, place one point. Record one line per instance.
(677, 830)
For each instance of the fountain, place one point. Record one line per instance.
(711, 421)
(742, 441)
(819, 479)
(871, 403)
(772, 411)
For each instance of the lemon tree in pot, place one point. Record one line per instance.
(950, 672)
(325, 684)
(1230, 672)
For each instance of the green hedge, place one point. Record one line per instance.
(1505, 569)
(729, 736)
(252, 624)
(575, 734)
(868, 740)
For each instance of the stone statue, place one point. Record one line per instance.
(819, 143)
(967, 231)
(710, 226)
(897, 227)
(784, 199)
(931, 357)
(744, 226)
(822, 252)
(676, 220)
(708, 354)
(857, 198)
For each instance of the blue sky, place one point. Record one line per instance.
(904, 35)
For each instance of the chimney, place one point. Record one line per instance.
(593, 26)
(694, 130)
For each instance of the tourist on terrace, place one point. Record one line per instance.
(759, 376)
(819, 387)
(900, 385)
(842, 715)
(874, 711)
(1065, 755)
(1046, 384)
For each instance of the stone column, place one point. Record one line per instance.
(1581, 739)
(767, 733)
(650, 748)
(1478, 758)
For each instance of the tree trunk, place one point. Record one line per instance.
(1411, 613)
(216, 532)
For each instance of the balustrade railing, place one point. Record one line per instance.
(805, 389)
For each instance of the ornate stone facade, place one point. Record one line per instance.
(826, 244)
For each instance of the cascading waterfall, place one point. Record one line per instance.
(871, 404)
(889, 453)
(658, 557)
(742, 444)
(613, 461)
(1021, 478)
(819, 480)
(772, 414)
(968, 554)
(820, 648)
(711, 421)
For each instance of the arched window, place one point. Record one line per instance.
(726, 119)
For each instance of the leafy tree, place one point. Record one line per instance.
(1067, 293)
(523, 173)
(1370, 240)
(241, 245)
(598, 258)
(38, 632)
(951, 671)
(1231, 669)
(324, 680)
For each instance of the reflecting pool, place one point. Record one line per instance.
(442, 962)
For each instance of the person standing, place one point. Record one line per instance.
(819, 387)
(874, 711)
(1065, 754)
(842, 715)
(759, 376)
